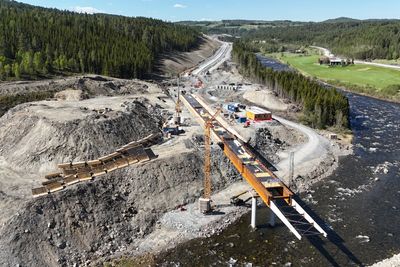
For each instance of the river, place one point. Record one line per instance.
(359, 205)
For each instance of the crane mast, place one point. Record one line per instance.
(205, 201)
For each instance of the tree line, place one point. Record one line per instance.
(370, 39)
(37, 41)
(362, 39)
(322, 107)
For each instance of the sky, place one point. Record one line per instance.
(178, 10)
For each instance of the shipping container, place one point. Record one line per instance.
(258, 114)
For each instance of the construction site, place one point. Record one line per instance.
(113, 168)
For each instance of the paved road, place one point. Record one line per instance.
(215, 61)
(328, 53)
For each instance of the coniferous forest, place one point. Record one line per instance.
(36, 42)
(361, 39)
(322, 107)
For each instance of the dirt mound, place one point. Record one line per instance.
(37, 136)
(69, 95)
(100, 218)
(90, 85)
(271, 140)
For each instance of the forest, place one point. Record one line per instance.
(322, 107)
(38, 42)
(361, 39)
(357, 39)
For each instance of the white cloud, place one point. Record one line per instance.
(87, 9)
(180, 6)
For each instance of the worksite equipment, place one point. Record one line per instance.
(231, 107)
(205, 202)
(256, 171)
(258, 114)
(241, 119)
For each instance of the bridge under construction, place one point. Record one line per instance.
(264, 184)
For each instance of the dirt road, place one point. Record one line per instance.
(315, 147)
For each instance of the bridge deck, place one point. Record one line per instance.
(274, 193)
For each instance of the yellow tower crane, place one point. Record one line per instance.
(205, 201)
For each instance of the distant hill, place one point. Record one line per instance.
(36, 41)
(340, 20)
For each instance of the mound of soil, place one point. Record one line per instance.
(106, 216)
(35, 137)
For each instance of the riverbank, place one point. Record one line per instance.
(186, 223)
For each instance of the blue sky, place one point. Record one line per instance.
(176, 10)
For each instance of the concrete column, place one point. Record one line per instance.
(253, 212)
(271, 218)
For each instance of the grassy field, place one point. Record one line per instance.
(372, 80)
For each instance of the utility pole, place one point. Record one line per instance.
(178, 107)
(291, 168)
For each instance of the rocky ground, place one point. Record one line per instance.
(88, 117)
(139, 209)
(273, 138)
(97, 219)
(36, 136)
(173, 64)
(89, 85)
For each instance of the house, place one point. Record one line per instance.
(334, 61)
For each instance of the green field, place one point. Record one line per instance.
(376, 81)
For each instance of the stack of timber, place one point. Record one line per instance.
(75, 172)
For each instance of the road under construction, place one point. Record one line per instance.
(264, 184)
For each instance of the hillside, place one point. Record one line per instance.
(37, 42)
(362, 39)
(370, 39)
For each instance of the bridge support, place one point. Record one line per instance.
(271, 218)
(253, 212)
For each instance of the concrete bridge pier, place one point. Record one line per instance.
(272, 217)
(253, 212)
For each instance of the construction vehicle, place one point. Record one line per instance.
(205, 201)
